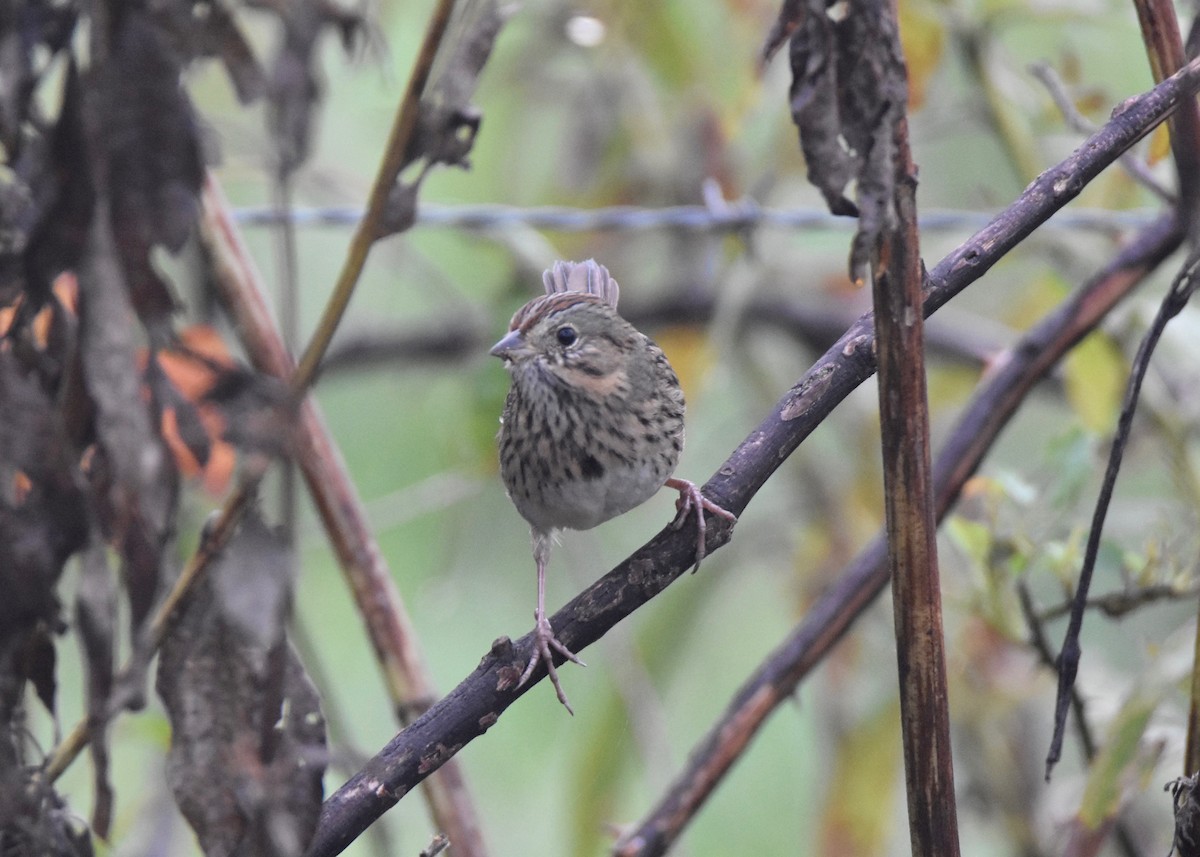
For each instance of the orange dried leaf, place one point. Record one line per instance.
(21, 486)
(66, 289)
(194, 378)
(184, 459)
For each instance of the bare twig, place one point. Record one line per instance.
(1164, 46)
(1038, 640)
(284, 234)
(439, 844)
(1191, 755)
(1077, 122)
(478, 701)
(1035, 620)
(399, 141)
(1167, 52)
(972, 342)
(1068, 659)
(1117, 604)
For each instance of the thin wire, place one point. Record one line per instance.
(732, 216)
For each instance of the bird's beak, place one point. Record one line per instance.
(506, 347)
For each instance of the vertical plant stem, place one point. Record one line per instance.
(911, 524)
(1165, 50)
(1191, 755)
(289, 324)
(395, 642)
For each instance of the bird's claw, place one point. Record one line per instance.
(691, 497)
(543, 641)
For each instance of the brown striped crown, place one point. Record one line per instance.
(530, 315)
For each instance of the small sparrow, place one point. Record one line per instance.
(592, 427)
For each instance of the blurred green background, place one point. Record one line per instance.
(627, 103)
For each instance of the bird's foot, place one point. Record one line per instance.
(543, 642)
(691, 497)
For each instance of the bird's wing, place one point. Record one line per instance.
(590, 277)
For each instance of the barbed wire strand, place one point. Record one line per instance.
(733, 216)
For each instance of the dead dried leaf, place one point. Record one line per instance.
(52, 223)
(849, 93)
(135, 481)
(35, 820)
(247, 746)
(43, 522)
(294, 87)
(155, 163)
(447, 122)
(257, 410)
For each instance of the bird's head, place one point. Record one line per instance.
(574, 338)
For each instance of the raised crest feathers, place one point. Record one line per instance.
(589, 277)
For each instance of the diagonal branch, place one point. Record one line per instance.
(776, 680)
(1138, 170)
(478, 701)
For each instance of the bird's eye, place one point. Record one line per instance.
(567, 335)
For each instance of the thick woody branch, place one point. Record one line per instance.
(478, 701)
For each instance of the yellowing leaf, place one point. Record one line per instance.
(858, 817)
(951, 385)
(1160, 144)
(1095, 382)
(1043, 292)
(922, 36)
(689, 352)
(971, 537)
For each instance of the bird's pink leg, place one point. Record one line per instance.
(544, 639)
(691, 497)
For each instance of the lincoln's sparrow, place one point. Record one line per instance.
(593, 424)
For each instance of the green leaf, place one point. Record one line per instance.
(971, 537)
(1124, 764)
